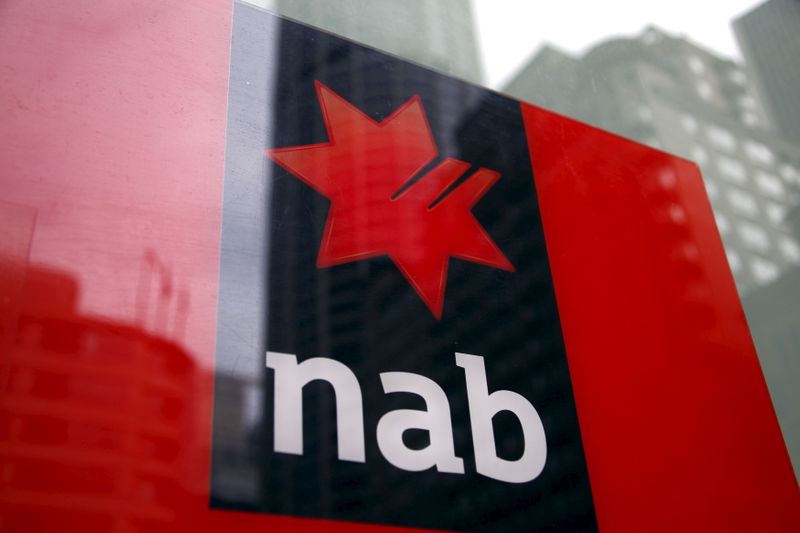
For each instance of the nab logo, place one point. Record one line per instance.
(385, 200)
(384, 203)
(291, 377)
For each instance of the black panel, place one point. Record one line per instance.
(366, 315)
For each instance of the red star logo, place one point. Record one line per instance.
(365, 170)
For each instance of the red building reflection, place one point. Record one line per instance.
(94, 416)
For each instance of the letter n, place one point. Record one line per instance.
(290, 378)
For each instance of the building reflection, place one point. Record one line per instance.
(96, 417)
(667, 92)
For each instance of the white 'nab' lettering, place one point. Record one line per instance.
(291, 377)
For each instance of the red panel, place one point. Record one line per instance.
(112, 146)
(678, 427)
(113, 137)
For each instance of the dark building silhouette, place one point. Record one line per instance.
(768, 39)
(439, 34)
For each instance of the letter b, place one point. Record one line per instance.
(482, 408)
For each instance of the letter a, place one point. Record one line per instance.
(482, 408)
(290, 378)
(436, 421)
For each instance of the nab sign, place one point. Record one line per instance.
(425, 285)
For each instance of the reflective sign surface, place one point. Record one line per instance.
(190, 320)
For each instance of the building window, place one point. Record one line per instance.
(769, 183)
(677, 214)
(738, 77)
(775, 212)
(749, 118)
(743, 202)
(667, 178)
(689, 123)
(697, 65)
(754, 236)
(790, 249)
(699, 155)
(690, 252)
(759, 153)
(721, 137)
(790, 173)
(722, 222)
(763, 270)
(704, 90)
(732, 169)
(733, 260)
(711, 189)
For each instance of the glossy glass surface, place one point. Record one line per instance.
(151, 252)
